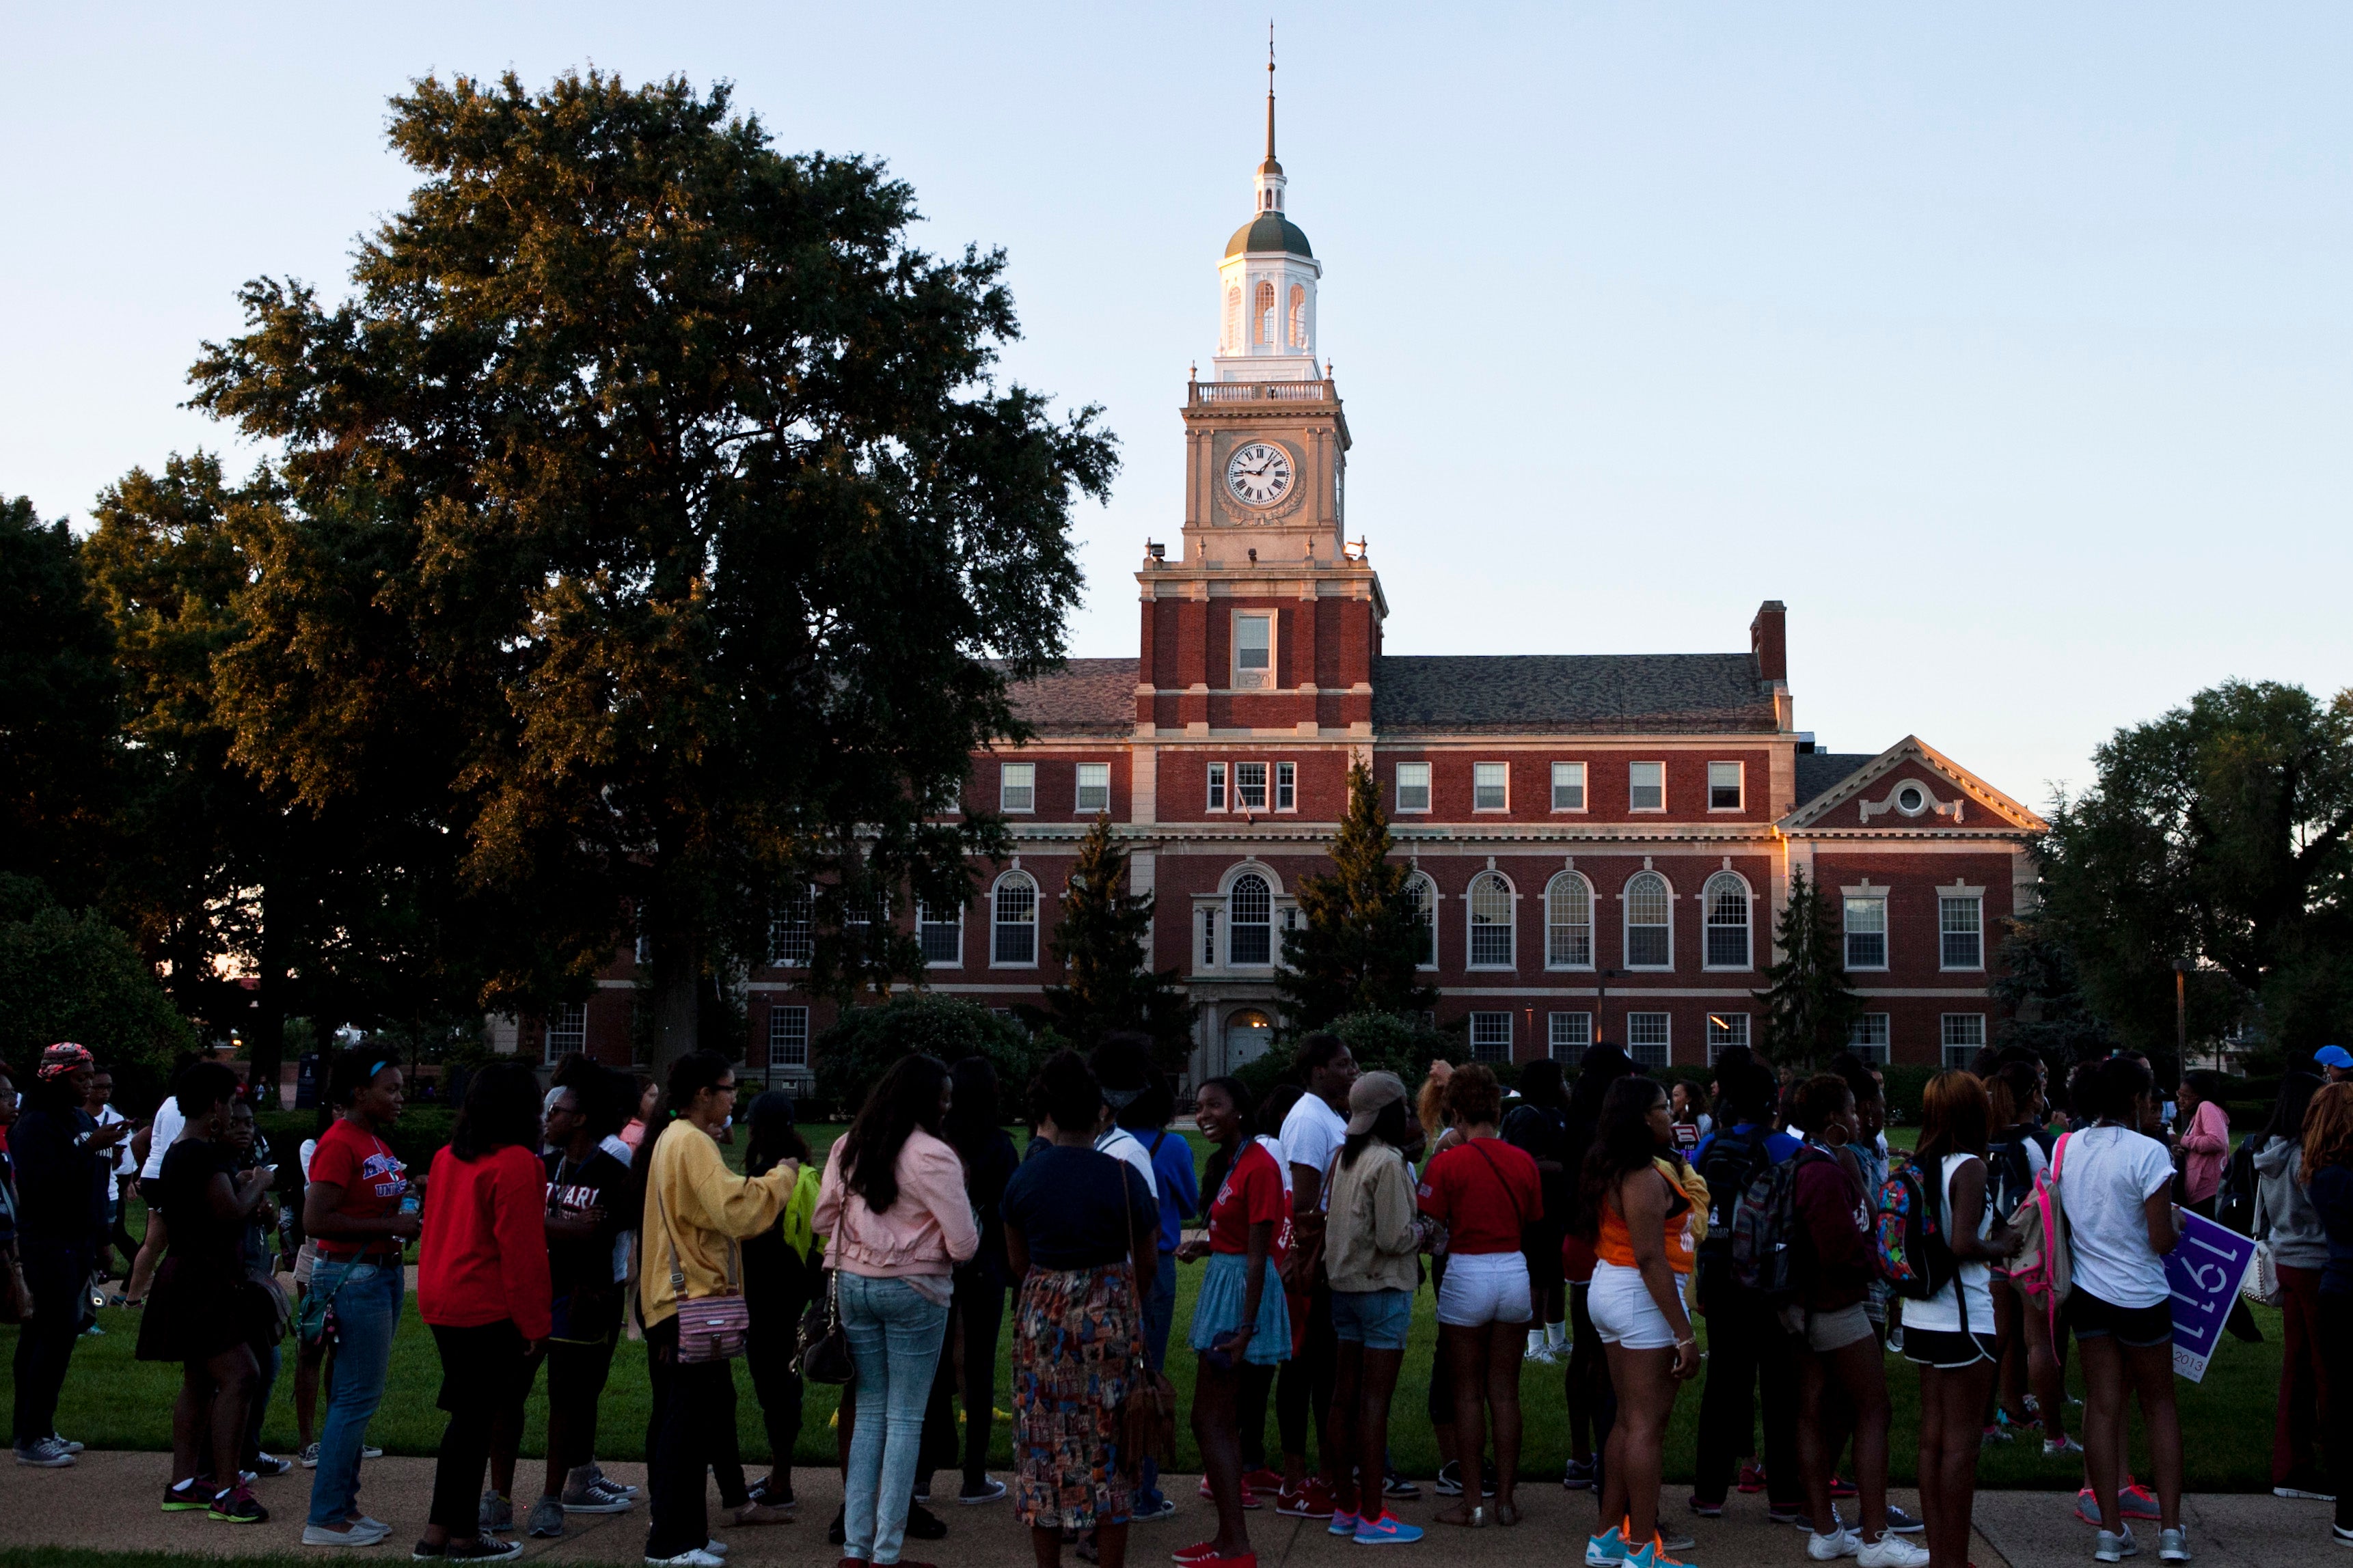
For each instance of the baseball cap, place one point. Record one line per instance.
(1370, 1095)
(2333, 1056)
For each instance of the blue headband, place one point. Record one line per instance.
(377, 1068)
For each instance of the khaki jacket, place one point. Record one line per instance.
(1371, 1240)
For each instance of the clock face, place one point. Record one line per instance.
(1258, 474)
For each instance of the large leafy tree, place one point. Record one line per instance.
(1102, 941)
(69, 974)
(2038, 984)
(1360, 941)
(652, 495)
(59, 748)
(1809, 1008)
(2217, 833)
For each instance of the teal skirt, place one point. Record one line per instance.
(1217, 1309)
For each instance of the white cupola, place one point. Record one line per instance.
(1266, 284)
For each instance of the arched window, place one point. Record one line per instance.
(1264, 315)
(1727, 899)
(1491, 922)
(1249, 921)
(1649, 935)
(1234, 319)
(1568, 923)
(1014, 919)
(1421, 893)
(1298, 315)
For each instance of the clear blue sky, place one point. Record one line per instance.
(2010, 349)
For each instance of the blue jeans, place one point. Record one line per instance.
(894, 1342)
(1159, 1317)
(366, 1305)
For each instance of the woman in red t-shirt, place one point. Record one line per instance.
(1240, 1317)
(1486, 1193)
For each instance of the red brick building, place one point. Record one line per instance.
(1599, 842)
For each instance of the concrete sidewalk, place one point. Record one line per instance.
(111, 1501)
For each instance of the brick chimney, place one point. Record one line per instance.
(1769, 641)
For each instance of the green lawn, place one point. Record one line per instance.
(113, 1401)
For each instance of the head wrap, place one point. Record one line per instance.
(64, 1057)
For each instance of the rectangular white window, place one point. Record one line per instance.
(792, 931)
(1253, 653)
(1649, 1039)
(1567, 1035)
(1017, 790)
(1208, 937)
(1217, 786)
(1094, 787)
(567, 1029)
(1961, 932)
(1413, 787)
(1725, 1029)
(1249, 786)
(942, 935)
(789, 1040)
(1867, 1037)
(1866, 932)
(1286, 786)
(1568, 786)
(1491, 787)
(1964, 1036)
(1723, 786)
(1491, 1036)
(1646, 787)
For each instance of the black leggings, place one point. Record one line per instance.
(1249, 1409)
(775, 1326)
(693, 1430)
(1303, 1387)
(485, 1375)
(980, 1309)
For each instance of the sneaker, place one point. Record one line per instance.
(608, 1491)
(1250, 1493)
(2116, 1548)
(1577, 1475)
(1806, 1524)
(270, 1465)
(1199, 1551)
(497, 1513)
(923, 1524)
(2339, 1534)
(1387, 1530)
(591, 1498)
(1677, 1542)
(1996, 1433)
(1901, 1523)
(1397, 1485)
(694, 1558)
(546, 1517)
(370, 1451)
(1343, 1523)
(1606, 1549)
(991, 1488)
(186, 1497)
(1841, 1543)
(45, 1454)
(1891, 1551)
(1450, 1479)
(68, 1444)
(1486, 1478)
(716, 1547)
(480, 1549)
(1841, 1486)
(2137, 1501)
(2173, 1546)
(1752, 1478)
(236, 1505)
(1706, 1509)
(1653, 1554)
(2306, 1489)
(1312, 1501)
(1141, 1513)
(310, 1460)
(357, 1535)
(1262, 1480)
(1786, 1513)
(2062, 1448)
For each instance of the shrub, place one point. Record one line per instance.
(853, 1055)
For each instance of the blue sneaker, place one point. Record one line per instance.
(1342, 1523)
(1387, 1530)
(1607, 1549)
(1651, 1554)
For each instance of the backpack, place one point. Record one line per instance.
(1728, 1164)
(1913, 1256)
(2042, 1269)
(2010, 1177)
(1766, 1244)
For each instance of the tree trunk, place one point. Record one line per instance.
(678, 1001)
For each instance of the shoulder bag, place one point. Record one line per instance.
(821, 1347)
(1147, 1415)
(709, 1328)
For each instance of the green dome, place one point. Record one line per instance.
(1269, 231)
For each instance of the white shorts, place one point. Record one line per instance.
(1623, 1313)
(1484, 1287)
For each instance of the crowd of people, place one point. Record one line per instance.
(1591, 1223)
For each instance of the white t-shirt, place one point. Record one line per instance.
(121, 1161)
(2105, 1177)
(1971, 1285)
(1312, 1134)
(1121, 1144)
(162, 1136)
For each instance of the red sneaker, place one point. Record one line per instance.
(1841, 1486)
(1752, 1478)
(1249, 1497)
(1199, 1551)
(1262, 1480)
(1311, 1501)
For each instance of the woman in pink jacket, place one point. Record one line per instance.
(894, 1209)
(2205, 1143)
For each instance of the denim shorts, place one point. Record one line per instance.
(1377, 1319)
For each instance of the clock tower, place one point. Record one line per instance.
(1271, 621)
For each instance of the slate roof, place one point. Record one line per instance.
(1821, 771)
(1571, 693)
(1086, 696)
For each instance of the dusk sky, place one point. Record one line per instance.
(2013, 350)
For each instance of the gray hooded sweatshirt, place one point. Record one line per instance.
(2284, 1213)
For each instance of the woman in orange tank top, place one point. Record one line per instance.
(1636, 1216)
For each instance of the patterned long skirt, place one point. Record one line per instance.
(1078, 1338)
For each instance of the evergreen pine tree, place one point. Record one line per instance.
(1360, 938)
(1102, 941)
(1809, 1008)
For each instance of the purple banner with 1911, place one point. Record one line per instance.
(2205, 1272)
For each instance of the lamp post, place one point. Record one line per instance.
(2180, 1012)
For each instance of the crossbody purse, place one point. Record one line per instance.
(709, 1328)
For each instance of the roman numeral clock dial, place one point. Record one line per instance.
(1258, 474)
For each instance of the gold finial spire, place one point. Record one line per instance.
(1270, 89)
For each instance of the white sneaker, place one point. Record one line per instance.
(357, 1535)
(1830, 1548)
(2114, 1548)
(310, 1455)
(2173, 1546)
(716, 1547)
(697, 1558)
(1891, 1551)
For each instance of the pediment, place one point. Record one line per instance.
(1911, 787)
